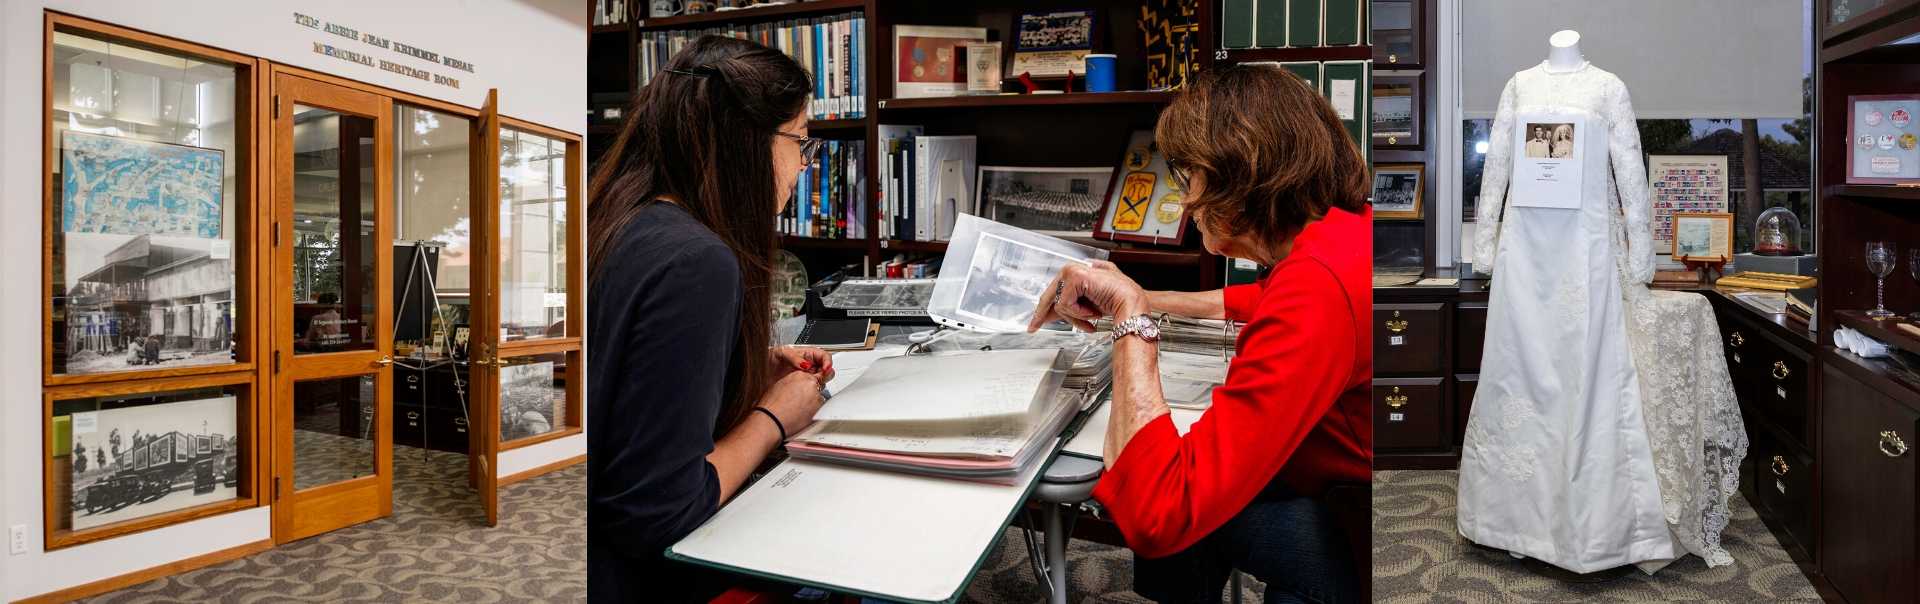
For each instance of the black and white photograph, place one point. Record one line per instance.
(1396, 191)
(1056, 201)
(1056, 30)
(1549, 140)
(145, 302)
(1005, 282)
(134, 462)
(530, 403)
(893, 294)
(1396, 112)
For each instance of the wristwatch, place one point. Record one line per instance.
(1141, 325)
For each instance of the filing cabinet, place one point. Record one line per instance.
(1410, 413)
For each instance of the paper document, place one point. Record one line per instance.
(949, 386)
(1091, 440)
(898, 536)
(1186, 393)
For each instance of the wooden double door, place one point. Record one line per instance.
(334, 307)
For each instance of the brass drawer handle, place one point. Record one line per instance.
(1396, 400)
(1780, 371)
(1396, 324)
(1780, 467)
(1736, 339)
(1891, 445)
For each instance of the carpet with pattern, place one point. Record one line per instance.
(1418, 556)
(434, 549)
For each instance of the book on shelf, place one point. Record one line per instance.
(832, 48)
(610, 12)
(827, 202)
(926, 182)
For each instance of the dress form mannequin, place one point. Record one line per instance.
(1565, 54)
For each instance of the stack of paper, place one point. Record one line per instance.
(980, 415)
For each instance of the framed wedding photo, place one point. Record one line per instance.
(1397, 191)
(1702, 236)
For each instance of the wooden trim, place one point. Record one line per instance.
(258, 464)
(570, 430)
(56, 19)
(535, 472)
(520, 348)
(46, 196)
(576, 319)
(483, 460)
(395, 95)
(62, 538)
(142, 576)
(150, 374)
(75, 391)
(547, 131)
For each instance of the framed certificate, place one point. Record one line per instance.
(1882, 139)
(1703, 236)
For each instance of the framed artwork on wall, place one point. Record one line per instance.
(1703, 236)
(1143, 203)
(1396, 111)
(1882, 145)
(1397, 191)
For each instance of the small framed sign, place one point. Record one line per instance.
(1702, 237)
(1883, 142)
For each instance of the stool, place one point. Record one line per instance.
(1064, 484)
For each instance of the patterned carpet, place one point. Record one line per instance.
(1417, 553)
(433, 549)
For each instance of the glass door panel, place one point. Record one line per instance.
(334, 430)
(333, 231)
(533, 236)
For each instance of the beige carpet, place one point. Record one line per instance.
(1418, 556)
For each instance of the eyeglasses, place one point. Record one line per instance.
(809, 146)
(1178, 173)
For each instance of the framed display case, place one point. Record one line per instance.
(148, 283)
(1398, 38)
(1882, 147)
(1397, 103)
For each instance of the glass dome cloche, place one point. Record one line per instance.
(1777, 233)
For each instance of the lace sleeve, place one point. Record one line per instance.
(1630, 178)
(1493, 183)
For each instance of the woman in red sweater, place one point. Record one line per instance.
(1270, 175)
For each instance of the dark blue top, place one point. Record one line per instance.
(664, 315)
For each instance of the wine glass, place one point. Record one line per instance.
(1881, 258)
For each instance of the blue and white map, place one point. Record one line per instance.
(128, 186)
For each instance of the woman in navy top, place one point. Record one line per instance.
(686, 397)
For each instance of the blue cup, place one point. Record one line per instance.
(1100, 73)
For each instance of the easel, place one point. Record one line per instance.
(419, 361)
(1710, 269)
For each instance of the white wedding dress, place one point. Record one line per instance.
(1604, 431)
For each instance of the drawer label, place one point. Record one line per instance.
(1395, 417)
(1780, 391)
(1736, 357)
(1396, 340)
(1780, 485)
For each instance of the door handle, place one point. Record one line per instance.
(384, 361)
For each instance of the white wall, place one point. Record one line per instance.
(533, 51)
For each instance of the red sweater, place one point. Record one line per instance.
(1297, 403)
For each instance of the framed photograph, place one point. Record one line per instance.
(1882, 147)
(1396, 112)
(1397, 191)
(530, 403)
(1703, 236)
(1050, 44)
(462, 334)
(1684, 183)
(928, 61)
(1396, 33)
(1143, 203)
(134, 461)
(1063, 202)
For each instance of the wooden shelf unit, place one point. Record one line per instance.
(763, 12)
(1123, 97)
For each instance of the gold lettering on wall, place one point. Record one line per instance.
(382, 43)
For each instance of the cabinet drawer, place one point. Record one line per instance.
(1783, 480)
(1780, 388)
(1867, 533)
(1470, 331)
(1407, 338)
(1410, 413)
(1463, 388)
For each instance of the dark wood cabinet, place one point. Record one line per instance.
(1470, 331)
(1407, 338)
(1782, 488)
(1410, 413)
(1867, 483)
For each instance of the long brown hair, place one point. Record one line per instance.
(699, 134)
(1272, 151)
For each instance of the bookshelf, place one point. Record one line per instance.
(1050, 130)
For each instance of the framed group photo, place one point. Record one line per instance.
(1397, 191)
(1396, 112)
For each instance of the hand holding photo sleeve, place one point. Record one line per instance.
(1084, 293)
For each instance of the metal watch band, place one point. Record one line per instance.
(1141, 326)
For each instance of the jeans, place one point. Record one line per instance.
(1288, 541)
